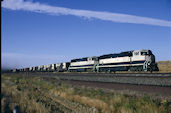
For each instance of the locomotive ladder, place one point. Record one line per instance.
(96, 66)
(145, 66)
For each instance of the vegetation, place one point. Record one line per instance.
(44, 95)
(164, 66)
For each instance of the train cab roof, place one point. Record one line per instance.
(143, 52)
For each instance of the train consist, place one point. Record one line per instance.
(137, 60)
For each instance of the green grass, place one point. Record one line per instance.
(35, 94)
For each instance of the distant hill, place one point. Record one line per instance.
(164, 66)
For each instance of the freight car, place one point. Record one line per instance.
(137, 60)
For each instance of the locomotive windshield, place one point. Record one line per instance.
(144, 53)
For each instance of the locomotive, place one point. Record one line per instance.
(137, 60)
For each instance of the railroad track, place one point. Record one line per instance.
(141, 74)
(137, 82)
(160, 79)
(154, 91)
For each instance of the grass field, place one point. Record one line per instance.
(35, 94)
(164, 66)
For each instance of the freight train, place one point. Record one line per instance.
(137, 60)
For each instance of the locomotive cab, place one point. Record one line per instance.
(146, 58)
(149, 64)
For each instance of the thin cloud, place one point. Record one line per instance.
(107, 16)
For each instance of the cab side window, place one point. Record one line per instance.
(143, 53)
(136, 53)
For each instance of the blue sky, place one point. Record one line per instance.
(43, 32)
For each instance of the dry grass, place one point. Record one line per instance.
(113, 103)
(33, 94)
(164, 66)
(28, 94)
